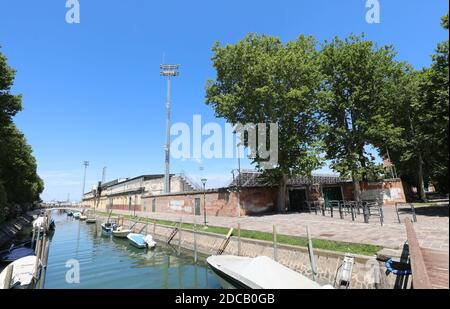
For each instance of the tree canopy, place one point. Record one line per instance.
(262, 80)
(19, 183)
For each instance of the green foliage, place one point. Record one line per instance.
(19, 183)
(262, 80)
(359, 82)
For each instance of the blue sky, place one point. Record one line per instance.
(92, 91)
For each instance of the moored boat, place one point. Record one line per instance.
(121, 232)
(91, 221)
(16, 252)
(108, 227)
(257, 273)
(137, 240)
(22, 274)
(83, 218)
(77, 215)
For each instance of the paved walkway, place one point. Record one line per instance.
(432, 227)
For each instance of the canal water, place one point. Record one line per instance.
(107, 262)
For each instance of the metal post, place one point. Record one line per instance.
(239, 182)
(168, 70)
(275, 247)
(86, 164)
(311, 254)
(195, 240)
(239, 239)
(179, 236)
(167, 147)
(204, 201)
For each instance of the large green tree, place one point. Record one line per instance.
(359, 81)
(421, 112)
(435, 91)
(19, 183)
(262, 80)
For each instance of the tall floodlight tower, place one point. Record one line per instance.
(104, 175)
(86, 164)
(168, 70)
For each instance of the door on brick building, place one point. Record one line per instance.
(332, 194)
(297, 199)
(197, 207)
(154, 205)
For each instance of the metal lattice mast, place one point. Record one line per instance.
(86, 164)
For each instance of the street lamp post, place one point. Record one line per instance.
(86, 164)
(204, 200)
(168, 70)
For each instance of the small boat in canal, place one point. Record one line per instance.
(77, 215)
(121, 232)
(83, 218)
(70, 214)
(108, 228)
(52, 225)
(16, 252)
(236, 272)
(22, 274)
(141, 241)
(91, 221)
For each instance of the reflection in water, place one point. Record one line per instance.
(107, 262)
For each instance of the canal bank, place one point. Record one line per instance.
(11, 229)
(367, 273)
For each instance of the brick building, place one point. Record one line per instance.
(145, 193)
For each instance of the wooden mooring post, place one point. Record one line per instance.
(195, 240)
(239, 239)
(312, 259)
(275, 245)
(8, 277)
(179, 236)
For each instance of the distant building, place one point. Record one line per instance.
(126, 194)
(146, 193)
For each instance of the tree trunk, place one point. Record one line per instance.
(281, 201)
(356, 188)
(421, 188)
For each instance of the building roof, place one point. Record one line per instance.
(252, 179)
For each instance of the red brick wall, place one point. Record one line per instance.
(218, 203)
(393, 191)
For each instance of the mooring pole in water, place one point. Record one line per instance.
(312, 259)
(239, 239)
(8, 277)
(36, 248)
(32, 238)
(179, 236)
(195, 240)
(275, 247)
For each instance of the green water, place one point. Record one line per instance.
(107, 262)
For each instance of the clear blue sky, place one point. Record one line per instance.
(92, 91)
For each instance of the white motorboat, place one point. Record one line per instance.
(91, 220)
(257, 273)
(108, 228)
(22, 274)
(83, 218)
(149, 241)
(121, 232)
(77, 215)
